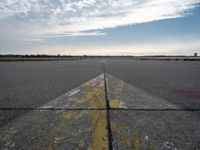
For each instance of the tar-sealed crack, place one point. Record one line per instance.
(124, 109)
(110, 138)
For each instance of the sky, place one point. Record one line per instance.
(100, 27)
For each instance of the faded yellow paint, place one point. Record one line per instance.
(81, 144)
(119, 86)
(115, 127)
(69, 114)
(136, 142)
(95, 97)
(133, 142)
(114, 103)
(100, 133)
(60, 129)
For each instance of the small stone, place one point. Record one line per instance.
(146, 138)
(168, 146)
(12, 145)
(104, 139)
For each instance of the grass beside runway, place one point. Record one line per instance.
(65, 58)
(169, 58)
(157, 57)
(38, 59)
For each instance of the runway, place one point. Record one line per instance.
(95, 104)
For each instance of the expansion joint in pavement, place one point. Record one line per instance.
(110, 138)
(91, 109)
(48, 109)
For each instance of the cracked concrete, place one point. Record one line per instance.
(79, 121)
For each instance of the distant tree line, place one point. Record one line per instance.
(33, 56)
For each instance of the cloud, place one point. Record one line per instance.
(74, 34)
(80, 17)
(31, 40)
(43, 38)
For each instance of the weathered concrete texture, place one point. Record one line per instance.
(88, 95)
(124, 95)
(62, 129)
(160, 78)
(78, 120)
(157, 130)
(71, 130)
(144, 125)
(33, 84)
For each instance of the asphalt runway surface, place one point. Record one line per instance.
(31, 84)
(151, 104)
(174, 81)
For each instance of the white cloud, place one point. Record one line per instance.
(76, 18)
(40, 40)
(73, 34)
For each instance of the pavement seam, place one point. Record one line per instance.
(117, 109)
(109, 128)
(52, 109)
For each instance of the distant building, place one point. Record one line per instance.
(195, 54)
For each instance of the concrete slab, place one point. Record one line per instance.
(79, 120)
(126, 96)
(155, 130)
(89, 95)
(141, 120)
(76, 120)
(56, 130)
